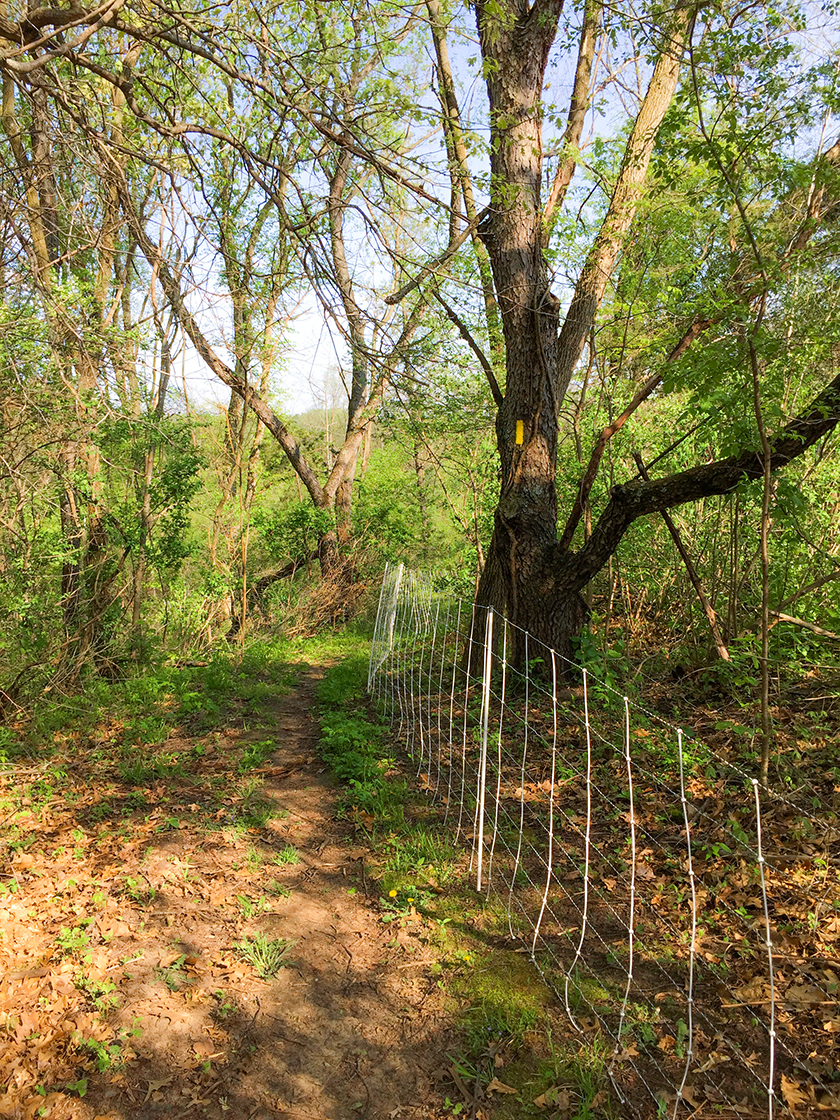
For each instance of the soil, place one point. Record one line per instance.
(154, 989)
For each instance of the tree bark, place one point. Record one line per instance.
(526, 576)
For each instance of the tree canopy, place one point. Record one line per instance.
(611, 232)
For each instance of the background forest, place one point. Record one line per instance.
(193, 196)
(541, 299)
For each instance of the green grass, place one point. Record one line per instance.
(287, 856)
(130, 734)
(265, 957)
(354, 745)
(255, 754)
(501, 1007)
(421, 853)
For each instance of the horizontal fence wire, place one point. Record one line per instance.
(625, 856)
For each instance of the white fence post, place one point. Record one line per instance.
(485, 722)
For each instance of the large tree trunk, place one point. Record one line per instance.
(527, 577)
(533, 595)
(516, 575)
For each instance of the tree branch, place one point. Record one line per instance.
(172, 287)
(813, 586)
(466, 334)
(591, 471)
(440, 260)
(779, 617)
(629, 186)
(638, 498)
(578, 104)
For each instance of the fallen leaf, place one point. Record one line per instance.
(154, 1086)
(631, 1051)
(497, 1086)
(713, 1060)
(792, 1093)
(690, 1094)
(554, 1097)
(804, 995)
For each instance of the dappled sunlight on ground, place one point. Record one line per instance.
(128, 925)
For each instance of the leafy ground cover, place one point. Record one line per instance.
(732, 987)
(509, 1053)
(185, 927)
(199, 917)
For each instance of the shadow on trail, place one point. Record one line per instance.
(128, 993)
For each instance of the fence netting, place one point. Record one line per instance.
(628, 859)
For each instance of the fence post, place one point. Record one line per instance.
(395, 594)
(377, 626)
(631, 920)
(771, 1091)
(549, 857)
(516, 863)
(485, 722)
(498, 795)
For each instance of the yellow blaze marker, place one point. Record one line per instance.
(520, 431)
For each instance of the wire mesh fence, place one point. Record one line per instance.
(627, 858)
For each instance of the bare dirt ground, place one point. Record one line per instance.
(125, 994)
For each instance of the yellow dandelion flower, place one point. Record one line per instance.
(392, 894)
(411, 900)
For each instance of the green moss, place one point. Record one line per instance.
(506, 997)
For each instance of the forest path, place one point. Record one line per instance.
(142, 958)
(348, 1029)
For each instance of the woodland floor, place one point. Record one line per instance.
(124, 989)
(152, 864)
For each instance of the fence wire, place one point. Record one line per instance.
(628, 859)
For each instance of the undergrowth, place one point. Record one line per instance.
(178, 750)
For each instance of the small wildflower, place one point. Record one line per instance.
(411, 900)
(392, 894)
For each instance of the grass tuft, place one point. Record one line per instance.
(265, 957)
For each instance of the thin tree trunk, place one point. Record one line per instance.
(766, 730)
(696, 583)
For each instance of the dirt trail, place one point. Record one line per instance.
(349, 1029)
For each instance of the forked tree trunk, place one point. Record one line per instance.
(528, 577)
(532, 597)
(531, 576)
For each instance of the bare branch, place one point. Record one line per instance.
(466, 334)
(591, 471)
(779, 617)
(438, 262)
(578, 104)
(602, 258)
